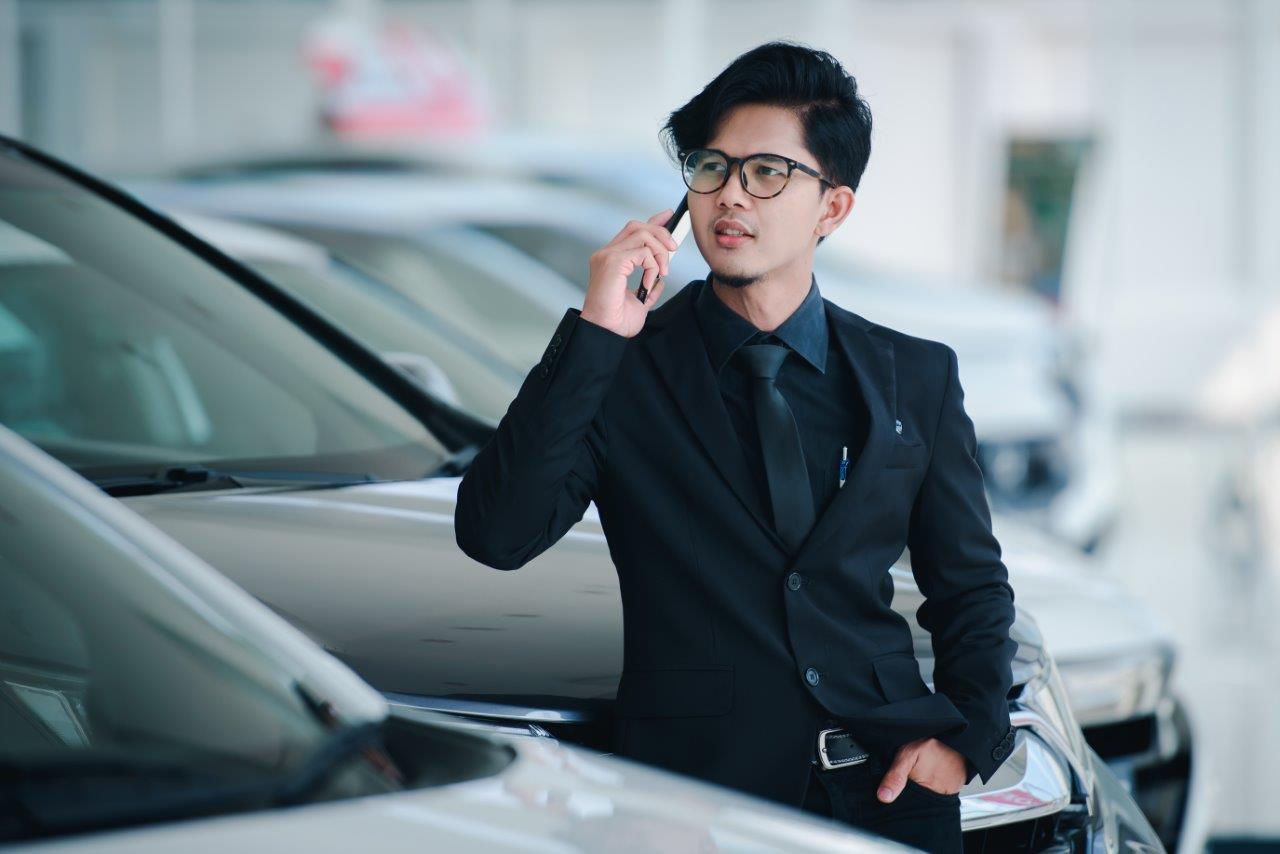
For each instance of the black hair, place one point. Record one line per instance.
(835, 120)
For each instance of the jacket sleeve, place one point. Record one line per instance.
(968, 607)
(538, 472)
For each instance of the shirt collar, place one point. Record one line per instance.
(724, 330)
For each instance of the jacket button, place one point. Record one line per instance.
(793, 581)
(811, 676)
(555, 341)
(545, 371)
(1005, 747)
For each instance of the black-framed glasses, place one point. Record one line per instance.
(763, 175)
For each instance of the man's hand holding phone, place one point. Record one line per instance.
(609, 302)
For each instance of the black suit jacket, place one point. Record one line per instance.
(735, 650)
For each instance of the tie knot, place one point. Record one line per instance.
(763, 360)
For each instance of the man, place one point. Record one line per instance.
(760, 457)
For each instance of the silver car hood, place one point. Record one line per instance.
(553, 798)
(373, 574)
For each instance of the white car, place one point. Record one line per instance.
(423, 238)
(148, 704)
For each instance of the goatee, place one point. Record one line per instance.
(731, 281)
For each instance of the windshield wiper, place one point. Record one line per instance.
(456, 463)
(74, 793)
(197, 477)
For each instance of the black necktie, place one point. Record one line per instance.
(784, 464)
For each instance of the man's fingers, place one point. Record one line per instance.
(895, 779)
(661, 217)
(658, 226)
(631, 226)
(634, 226)
(667, 238)
(639, 257)
(647, 240)
(655, 225)
(652, 269)
(656, 293)
(657, 237)
(660, 251)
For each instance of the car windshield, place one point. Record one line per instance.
(560, 250)
(130, 692)
(478, 381)
(123, 352)
(457, 273)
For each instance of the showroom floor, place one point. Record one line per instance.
(1188, 551)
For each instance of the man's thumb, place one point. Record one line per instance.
(895, 779)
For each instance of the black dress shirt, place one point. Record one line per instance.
(816, 379)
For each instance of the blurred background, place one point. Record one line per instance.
(1075, 194)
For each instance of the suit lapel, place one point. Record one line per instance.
(680, 357)
(872, 359)
(681, 360)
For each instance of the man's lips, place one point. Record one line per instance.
(729, 241)
(726, 224)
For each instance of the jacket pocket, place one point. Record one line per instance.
(899, 677)
(952, 798)
(694, 690)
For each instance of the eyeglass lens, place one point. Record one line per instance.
(705, 172)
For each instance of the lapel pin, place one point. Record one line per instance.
(898, 426)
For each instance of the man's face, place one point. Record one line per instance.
(784, 229)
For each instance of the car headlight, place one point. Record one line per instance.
(1024, 472)
(1040, 797)
(1118, 688)
(1043, 707)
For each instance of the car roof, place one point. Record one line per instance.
(253, 242)
(390, 203)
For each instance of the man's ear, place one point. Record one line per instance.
(836, 206)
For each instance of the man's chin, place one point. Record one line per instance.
(734, 280)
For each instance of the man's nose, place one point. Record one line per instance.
(732, 194)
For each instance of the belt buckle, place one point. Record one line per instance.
(826, 761)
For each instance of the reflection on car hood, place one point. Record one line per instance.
(553, 798)
(373, 574)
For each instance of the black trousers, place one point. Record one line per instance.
(919, 816)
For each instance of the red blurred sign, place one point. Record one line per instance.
(392, 81)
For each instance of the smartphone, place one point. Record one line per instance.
(679, 225)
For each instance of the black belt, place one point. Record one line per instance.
(837, 748)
